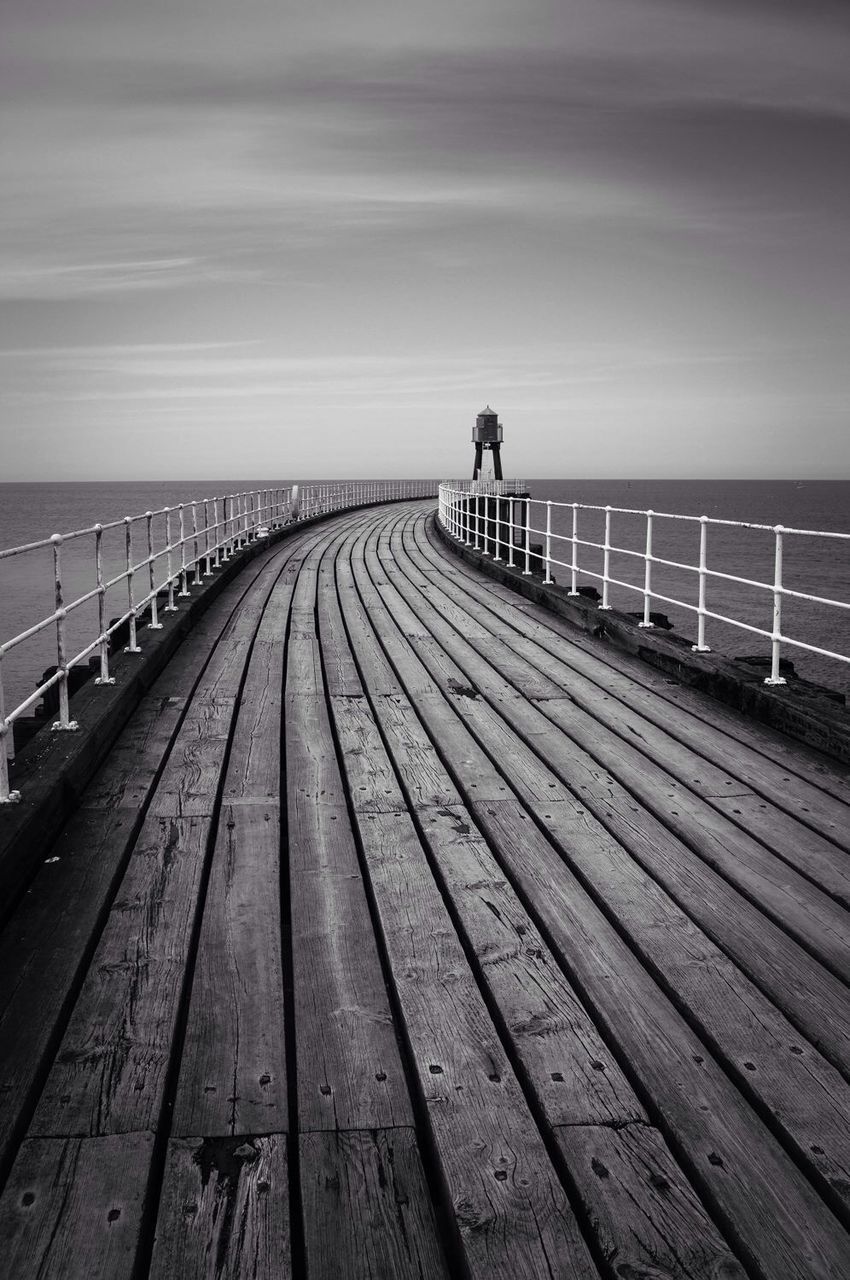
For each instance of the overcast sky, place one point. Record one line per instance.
(313, 239)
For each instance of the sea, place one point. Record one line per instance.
(816, 566)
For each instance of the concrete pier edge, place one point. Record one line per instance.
(799, 709)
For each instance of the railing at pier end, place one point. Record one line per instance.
(500, 521)
(165, 553)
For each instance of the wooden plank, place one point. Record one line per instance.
(510, 1209)
(805, 849)
(192, 774)
(72, 1209)
(233, 1068)
(577, 1081)
(769, 1207)
(575, 1078)
(341, 674)
(663, 1230)
(126, 777)
(512, 841)
(791, 900)
(110, 1072)
(367, 1211)
(422, 686)
(475, 1106)
(349, 1070)
(747, 934)
(756, 1044)
(372, 783)
(224, 1210)
(233, 1065)
(426, 782)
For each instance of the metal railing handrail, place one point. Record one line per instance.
(208, 533)
(460, 513)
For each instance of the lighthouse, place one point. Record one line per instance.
(487, 438)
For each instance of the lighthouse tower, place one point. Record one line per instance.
(487, 438)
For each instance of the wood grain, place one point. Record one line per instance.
(72, 1209)
(366, 1207)
(224, 1210)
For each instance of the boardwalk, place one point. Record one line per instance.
(407, 933)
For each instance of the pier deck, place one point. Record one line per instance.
(409, 933)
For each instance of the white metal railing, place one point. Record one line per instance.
(486, 524)
(195, 539)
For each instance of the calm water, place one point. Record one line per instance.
(32, 511)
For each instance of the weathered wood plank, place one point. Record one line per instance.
(510, 1209)
(349, 1069)
(233, 1068)
(426, 782)
(367, 1211)
(831, 1127)
(807, 1095)
(72, 1209)
(661, 1232)
(791, 900)
(372, 783)
(814, 997)
(770, 1207)
(110, 1072)
(224, 1210)
(575, 1078)
(233, 1064)
(511, 842)
(721, 776)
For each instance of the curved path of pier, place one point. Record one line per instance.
(408, 933)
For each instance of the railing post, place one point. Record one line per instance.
(216, 534)
(197, 558)
(184, 575)
(511, 507)
(207, 547)
(497, 507)
(7, 796)
(573, 591)
(527, 570)
(701, 646)
(647, 575)
(133, 646)
(154, 624)
(64, 721)
(775, 678)
(606, 561)
(227, 525)
(548, 577)
(477, 544)
(104, 677)
(170, 607)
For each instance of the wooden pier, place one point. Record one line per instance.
(408, 932)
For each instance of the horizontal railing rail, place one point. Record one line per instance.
(170, 550)
(478, 519)
(495, 488)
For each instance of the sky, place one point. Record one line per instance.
(297, 240)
